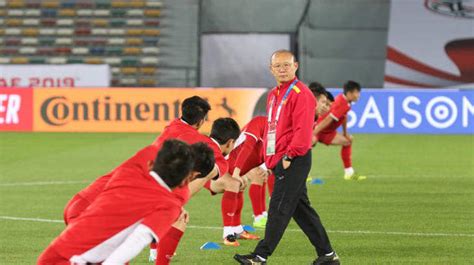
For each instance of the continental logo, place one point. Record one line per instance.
(61, 110)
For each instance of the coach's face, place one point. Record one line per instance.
(283, 67)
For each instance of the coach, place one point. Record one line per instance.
(291, 109)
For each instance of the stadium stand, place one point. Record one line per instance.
(123, 34)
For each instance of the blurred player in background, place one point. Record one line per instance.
(325, 130)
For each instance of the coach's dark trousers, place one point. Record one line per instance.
(290, 199)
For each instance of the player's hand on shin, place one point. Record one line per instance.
(184, 217)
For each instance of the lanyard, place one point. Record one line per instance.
(270, 111)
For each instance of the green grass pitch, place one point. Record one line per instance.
(417, 206)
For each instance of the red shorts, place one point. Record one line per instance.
(326, 137)
(208, 187)
(74, 208)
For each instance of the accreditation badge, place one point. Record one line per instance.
(271, 138)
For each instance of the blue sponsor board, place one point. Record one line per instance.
(412, 111)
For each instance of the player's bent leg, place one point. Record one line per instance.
(166, 249)
(346, 156)
(229, 204)
(258, 201)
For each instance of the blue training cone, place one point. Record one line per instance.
(317, 181)
(248, 228)
(210, 246)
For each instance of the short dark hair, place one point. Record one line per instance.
(350, 86)
(203, 159)
(194, 109)
(224, 129)
(174, 162)
(317, 89)
(330, 96)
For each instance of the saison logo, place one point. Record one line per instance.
(60, 110)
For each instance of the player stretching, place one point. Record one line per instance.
(326, 127)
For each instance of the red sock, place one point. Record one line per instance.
(229, 207)
(153, 245)
(346, 153)
(167, 246)
(238, 212)
(271, 183)
(263, 198)
(255, 194)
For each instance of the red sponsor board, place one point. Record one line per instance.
(16, 109)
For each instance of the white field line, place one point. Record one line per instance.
(421, 234)
(42, 183)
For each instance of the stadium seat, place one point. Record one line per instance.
(45, 51)
(134, 22)
(134, 41)
(113, 50)
(19, 60)
(84, 12)
(9, 51)
(50, 4)
(149, 60)
(150, 41)
(37, 60)
(116, 41)
(116, 31)
(12, 31)
(47, 31)
(46, 41)
(65, 22)
(64, 41)
(97, 50)
(100, 22)
(63, 50)
(84, 4)
(148, 70)
(33, 4)
(32, 12)
(57, 60)
(4, 60)
(134, 32)
(128, 70)
(130, 61)
(15, 4)
(16, 12)
(118, 12)
(115, 70)
(102, 4)
(147, 82)
(2, 32)
(98, 41)
(113, 60)
(151, 50)
(82, 31)
(31, 22)
(154, 4)
(49, 13)
(48, 22)
(128, 81)
(67, 12)
(65, 31)
(102, 13)
(82, 22)
(13, 41)
(131, 51)
(30, 31)
(68, 4)
(93, 60)
(80, 50)
(27, 50)
(99, 31)
(152, 12)
(117, 22)
(151, 32)
(13, 22)
(2, 21)
(29, 41)
(134, 12)
(152, 22)
(73, 60)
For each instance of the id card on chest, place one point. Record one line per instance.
(271, 138)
